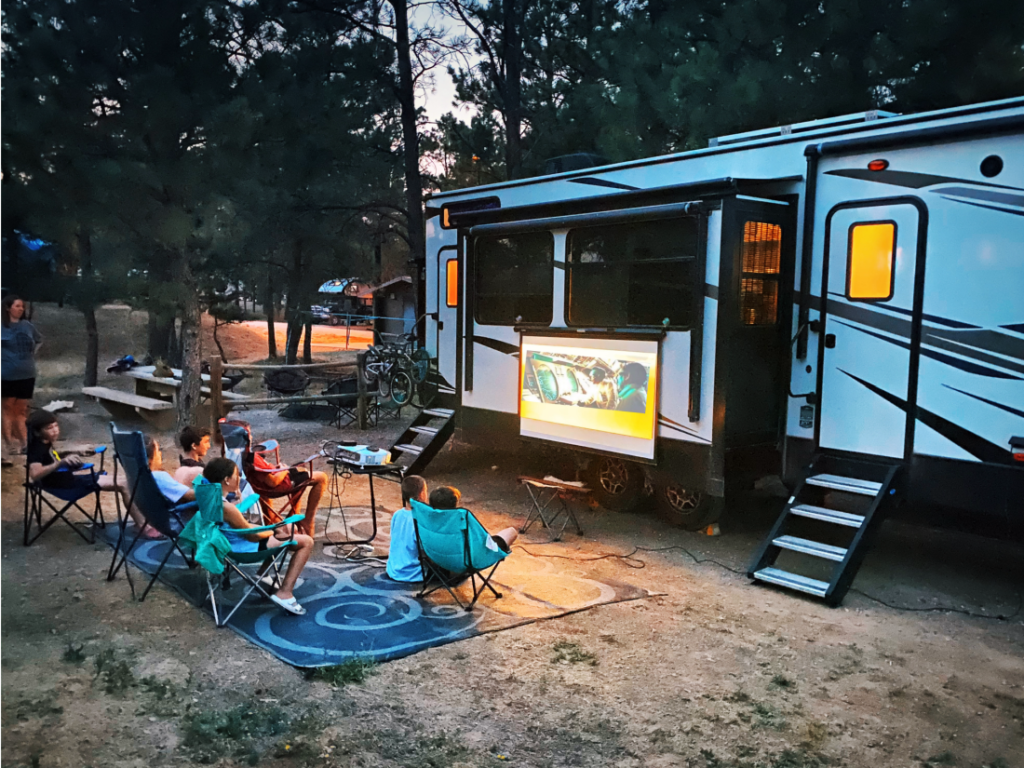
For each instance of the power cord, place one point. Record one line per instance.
(945, 609)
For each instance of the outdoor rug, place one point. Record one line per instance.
(355, 610)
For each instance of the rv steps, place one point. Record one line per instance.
(423, 439)
(812, 526)
(793, 581)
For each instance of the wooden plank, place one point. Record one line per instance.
(127, 398)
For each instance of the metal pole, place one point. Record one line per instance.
(348, 330)
(361, 388)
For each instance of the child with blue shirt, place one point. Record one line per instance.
(403, 556)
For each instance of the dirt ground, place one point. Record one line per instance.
(714, 673)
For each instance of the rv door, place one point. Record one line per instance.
(449, 299)
(873, 267)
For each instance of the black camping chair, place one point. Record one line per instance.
(347, 408)
(286, 382)
(145, 495)
(40, 496)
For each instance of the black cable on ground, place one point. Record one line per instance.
(945, 609)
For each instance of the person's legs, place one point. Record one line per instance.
(8, 422)
(18, 429)
(298, 559)
(316, 492)
(106, 484)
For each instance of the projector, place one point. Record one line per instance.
(363, 455)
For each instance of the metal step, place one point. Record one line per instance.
(828, 515)
(808, 547)
(444, 413)
(792, 581)
(425, 430)
(409, 448)
(847, 484)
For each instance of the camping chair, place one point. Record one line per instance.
(234, 441)
(347, 407)
(212, 550)
(542, 509)
(38, 495)
(453, 545)
(261, 467)
(165, 517)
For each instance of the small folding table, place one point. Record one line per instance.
(543, 494)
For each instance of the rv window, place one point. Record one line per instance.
(870, 260)
(759, 283)
(514, 278)
(633, 274)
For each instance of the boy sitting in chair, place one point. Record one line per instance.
(403, 557)
(447, 497)
(225, 472)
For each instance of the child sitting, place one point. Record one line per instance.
(225, 472)
(195, 442)
(403, 556)
(447, 497)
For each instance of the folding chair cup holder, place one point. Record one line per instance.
(38, 499)
(543, 494)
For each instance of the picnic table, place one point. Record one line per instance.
(155, 398)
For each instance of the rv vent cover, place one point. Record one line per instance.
(810, 125)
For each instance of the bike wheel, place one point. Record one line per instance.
(384, 385)
(371, 362)
(401, 388)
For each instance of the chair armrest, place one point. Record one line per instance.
(186, 506)
(261, 528)
(248, 501)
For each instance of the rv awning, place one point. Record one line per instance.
(373, 289)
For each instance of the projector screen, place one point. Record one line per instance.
(598, 393)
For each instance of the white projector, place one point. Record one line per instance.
(363, 455)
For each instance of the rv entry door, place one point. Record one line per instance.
(869, 339)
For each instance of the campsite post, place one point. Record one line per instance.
(361, 388)
(216, 401)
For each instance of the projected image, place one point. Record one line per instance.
(601, 381)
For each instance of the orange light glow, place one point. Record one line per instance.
(878, 165)
(445, 221)
(872, 256)
(452, 276)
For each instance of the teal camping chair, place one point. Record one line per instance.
(453, 545)
(213, 552)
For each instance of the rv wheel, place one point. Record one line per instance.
(617, 485)
(686, 506)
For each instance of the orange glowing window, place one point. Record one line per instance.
(445, 222)
(761, 262)
(870, 261)
(452, 283)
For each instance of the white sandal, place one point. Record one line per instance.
(289, 604)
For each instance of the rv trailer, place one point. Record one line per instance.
(842, 297)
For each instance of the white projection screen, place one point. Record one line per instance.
(597, 393)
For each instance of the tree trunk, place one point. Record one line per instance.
(191, 340)
(161, 331)
(513, 88)
(270, 308)
(293, 310)
(307, 342)
(410, 137)
(88, 307)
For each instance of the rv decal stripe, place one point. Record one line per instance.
(590, 180)
(974, 444)
(711, 291)
(909, 313)
(909, 179)
(1017, 327)
(1000, 198)
(982, 205)
(499, 346)
(687, 433)
(670, 423)
(963, 365)
(1006, 408)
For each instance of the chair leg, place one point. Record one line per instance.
(156, 573)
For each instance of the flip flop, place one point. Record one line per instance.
(149, 533)
(291, 605)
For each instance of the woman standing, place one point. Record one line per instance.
(20, 340)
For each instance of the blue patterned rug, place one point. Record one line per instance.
(355, 610)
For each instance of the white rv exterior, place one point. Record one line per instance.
(784, 360)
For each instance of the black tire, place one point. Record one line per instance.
(685, 505)
(370, 357)
(421, 364)
(617, 484)
(384, 385)
(401, 388)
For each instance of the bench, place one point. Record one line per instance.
(160, 413)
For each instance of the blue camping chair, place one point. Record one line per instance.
(205, 536)
(39, 496)
(145, 495)
(452, 546)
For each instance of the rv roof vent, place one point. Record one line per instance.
(810, 125)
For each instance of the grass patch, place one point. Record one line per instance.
(115, 674)
(788, 758)
(353, 671)
(767, 716)
(943, 758)
(210, 735)
(572, 653)
(403, 749)
(781, 682)
(73, 654)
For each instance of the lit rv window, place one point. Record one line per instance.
(452, 282)
(633, 274)
(870, 261)
(514, 278)
(759, 284)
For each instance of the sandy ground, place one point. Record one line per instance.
(714, 673)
